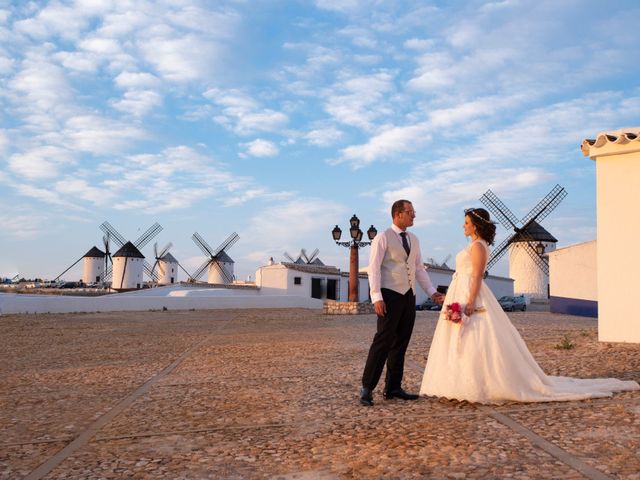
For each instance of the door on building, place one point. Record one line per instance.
(332, 289)
(316, 288)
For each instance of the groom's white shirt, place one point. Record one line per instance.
(377, 256)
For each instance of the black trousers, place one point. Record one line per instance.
(391, 340)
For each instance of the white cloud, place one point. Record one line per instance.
(387, 144)
(324, 136)
(99, 135)
(136, 80)
(79, 189)
(261, 148)
(138, 102)
(311, 216)
(40, 162)
(243, 114)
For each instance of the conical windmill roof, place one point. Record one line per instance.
(95, 252)
(128, 250)
(223, 257)
(167, 257)
(536, 232)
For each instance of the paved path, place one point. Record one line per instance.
(250, 394)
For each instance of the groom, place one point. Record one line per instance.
(395, 265)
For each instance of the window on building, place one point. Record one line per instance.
(297, 280)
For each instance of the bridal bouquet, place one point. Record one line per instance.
(454, 312)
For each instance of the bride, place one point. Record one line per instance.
(484, 359)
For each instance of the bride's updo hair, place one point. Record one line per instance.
(484, 226)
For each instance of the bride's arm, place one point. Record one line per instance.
(478, 262)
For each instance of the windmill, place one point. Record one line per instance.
(220, 265)
(144, 239)
(527, 264)
(165, 264)
(304, 259)
(107, 254)
(92, 271)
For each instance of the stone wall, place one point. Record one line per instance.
(331, 307)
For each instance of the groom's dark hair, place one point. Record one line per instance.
(398, 207)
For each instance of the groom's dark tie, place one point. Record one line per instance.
(405, 242)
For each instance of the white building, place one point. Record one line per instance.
(315, 281)
(326, 282)
(167, 269)
(128, 266)
(93, 266)
(617, 160)
(529, 279)
(573, 280)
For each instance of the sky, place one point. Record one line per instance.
(280, 119)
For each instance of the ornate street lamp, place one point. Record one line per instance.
(354, 244)
(539, 248)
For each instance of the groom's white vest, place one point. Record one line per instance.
(398, 271)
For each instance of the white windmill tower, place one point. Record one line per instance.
(219, 264)
(528, 266)
(128, 266)
(93, 266)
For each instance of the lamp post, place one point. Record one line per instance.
(354, 244)
(540, 248)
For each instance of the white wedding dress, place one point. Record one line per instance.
(485, 360)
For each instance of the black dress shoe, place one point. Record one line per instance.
(399, 393)
(366, 398)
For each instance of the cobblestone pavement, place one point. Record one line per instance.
(273, 394)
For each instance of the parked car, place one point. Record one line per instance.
(428, 304)
(511, 304)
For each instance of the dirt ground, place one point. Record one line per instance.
(273, 394)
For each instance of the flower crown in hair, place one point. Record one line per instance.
(472, 211)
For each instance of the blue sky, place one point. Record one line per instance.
(280, 119)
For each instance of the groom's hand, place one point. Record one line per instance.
(380, 307)
(438, 298)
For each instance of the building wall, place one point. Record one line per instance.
(170, 270)
(618, 181)
(93, 267)
(529, 279)
(214, 276)
(129, 277)
(573, 280)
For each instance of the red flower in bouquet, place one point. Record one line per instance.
(453, 312)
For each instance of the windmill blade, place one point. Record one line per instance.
(546, 205)
(227, 244)
(540, 261)
(223, 271)
(149, 270)
(73, 265)
(499, 209)
(303, 255)
(499, 251)
(155, 264)
(147, 236)
(189, 276)
(202, 244)
(289, 257)
(198, 273)
(164, 251)
(107, 228)
(105, 241)
(155, 250)
(314, 255)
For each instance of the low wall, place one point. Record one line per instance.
(331, 307)
(14, 303)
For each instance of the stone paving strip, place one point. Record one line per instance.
(273, 394)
